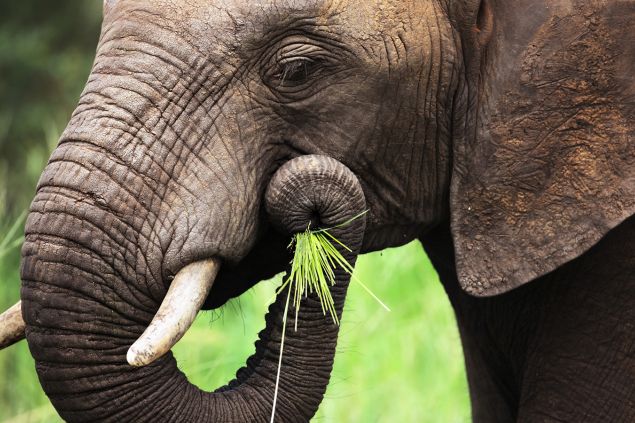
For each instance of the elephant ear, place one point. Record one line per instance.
(546, 165)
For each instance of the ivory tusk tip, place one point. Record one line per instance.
(137, 359)
(177, 312)
(131, 358)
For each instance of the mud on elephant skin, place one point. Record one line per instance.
(499, 133)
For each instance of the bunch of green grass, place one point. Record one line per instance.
(314, 259)
(312, 271)
(312, 268)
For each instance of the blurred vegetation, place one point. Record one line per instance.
(46, 50)
(403, 366)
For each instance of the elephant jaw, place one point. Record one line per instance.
(177, 312)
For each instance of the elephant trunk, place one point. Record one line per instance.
(83, 309)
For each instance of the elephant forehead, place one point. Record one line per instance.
(248, 18)
(223, 12)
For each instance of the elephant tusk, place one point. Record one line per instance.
(11, 326)
(184, 299)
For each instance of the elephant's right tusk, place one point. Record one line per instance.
(184, 299)
(11, 326)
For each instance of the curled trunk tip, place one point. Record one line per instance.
(313, 190)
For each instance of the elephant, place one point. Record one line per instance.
(499, 133)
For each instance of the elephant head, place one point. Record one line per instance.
(207, 133)
(161, 194)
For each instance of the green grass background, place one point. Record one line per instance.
(403, 366)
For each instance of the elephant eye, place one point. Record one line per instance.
(296, 71)
(299, 67)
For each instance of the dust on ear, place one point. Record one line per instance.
(484, 25)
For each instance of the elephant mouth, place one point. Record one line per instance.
(191, 288)
(206, 285)
(268, 257)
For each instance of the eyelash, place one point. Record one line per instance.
(299, 66)
(296, 71)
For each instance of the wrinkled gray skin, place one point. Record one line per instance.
(500, 133)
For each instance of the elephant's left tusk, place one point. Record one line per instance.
(11, 326)
(184, 299)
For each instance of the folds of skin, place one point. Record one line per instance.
(83, 312)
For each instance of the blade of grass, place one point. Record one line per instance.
(8, 237)
(284, 328)
(356, 279)
(16, 243)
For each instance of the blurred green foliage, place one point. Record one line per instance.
(46, 50)
(403, 366)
